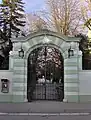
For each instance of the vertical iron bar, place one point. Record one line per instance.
(45, 70)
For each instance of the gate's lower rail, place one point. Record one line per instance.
(48, 91)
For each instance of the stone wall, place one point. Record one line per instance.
(85, 86)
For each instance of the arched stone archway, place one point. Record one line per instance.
(71, 65)
(45, 79)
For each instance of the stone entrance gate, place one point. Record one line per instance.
(72, 65)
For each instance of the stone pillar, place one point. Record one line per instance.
(10, 60)
(25, 80)
(65, 96)
(71, 78)
(80, 59)
(17, 67)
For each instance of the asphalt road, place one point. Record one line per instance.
(88, 117)
(45, 110)
(45, 107)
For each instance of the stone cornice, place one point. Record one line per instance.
(47, 33)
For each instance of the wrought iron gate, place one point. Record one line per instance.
(48, 91)
(39, 87)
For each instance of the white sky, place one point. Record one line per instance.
(32, 5)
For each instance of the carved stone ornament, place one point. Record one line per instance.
(46, 40)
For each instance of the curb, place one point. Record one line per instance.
(44, 114)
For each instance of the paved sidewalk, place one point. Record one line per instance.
(45, 107)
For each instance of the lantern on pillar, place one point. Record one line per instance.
(21, 52)
(70, 52)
